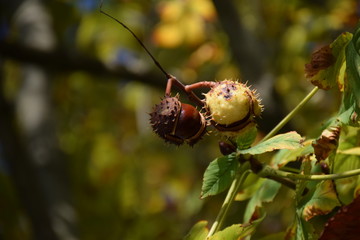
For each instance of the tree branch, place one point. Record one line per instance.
(246, 48)
(64, 61)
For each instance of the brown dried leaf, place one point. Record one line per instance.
(327, 65)
(320, 59)
(344, 224)
(326, 143)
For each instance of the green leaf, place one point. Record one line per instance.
(305, 229)
(245, 140)
(327, 66)
(290, 140)
(284, 156)
(338, 50)
(250, 187)
(237, 231)
(219, 175)
(323, 201)
(346, 188)
(301, 233)
(233, 232)
(350, 151)
(301, 184)
(266, 193)
(198, 232)
(350, 109)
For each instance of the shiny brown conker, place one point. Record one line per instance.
(177, 122)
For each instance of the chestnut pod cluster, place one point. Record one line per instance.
(177, 122)
(229, 106)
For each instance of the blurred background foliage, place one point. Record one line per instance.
(123, 181)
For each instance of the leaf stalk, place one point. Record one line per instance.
(242, 174)
(288, 117)
(268, 171)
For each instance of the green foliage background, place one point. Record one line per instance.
(125, 182)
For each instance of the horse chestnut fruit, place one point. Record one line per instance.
(177, 122)
(232, 106)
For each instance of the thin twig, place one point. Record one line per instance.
(269, 171)
(243, 172)
(288, 117)
(138, 39)
(171, 79)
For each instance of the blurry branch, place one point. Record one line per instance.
(253, 58)
(246, 48)
(65, 61)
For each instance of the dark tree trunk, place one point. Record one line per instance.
(28, 137)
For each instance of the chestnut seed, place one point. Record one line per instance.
(233, 107)
(177, 122)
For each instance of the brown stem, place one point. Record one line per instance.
(172, 81)
(203, 84)
(137, 39)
